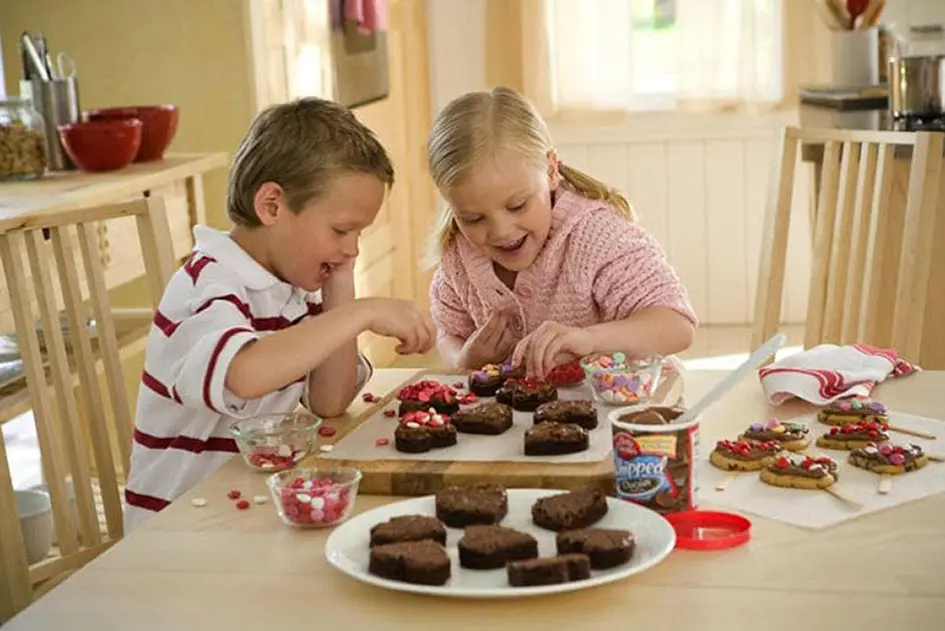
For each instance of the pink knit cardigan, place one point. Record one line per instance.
(596, 266)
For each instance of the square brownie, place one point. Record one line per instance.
(563, 568)
(461, 506)
(486, 418)
(490, 547)
(555, 439)
(569, 511)
(605, 547)
(408, 528)
(422, 562)
(581, 413)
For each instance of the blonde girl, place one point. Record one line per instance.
(536, 261)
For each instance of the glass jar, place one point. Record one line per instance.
(22, 141)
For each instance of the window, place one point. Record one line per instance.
(659, 54)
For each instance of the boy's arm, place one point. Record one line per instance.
(333, 385)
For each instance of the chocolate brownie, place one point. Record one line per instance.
(418, 432)
(490, 547)
(563, 568)
(555, 439)
(569, 511)
(605, 547)
(427, 394)
(581, 413)
(408, 528)
(461, 506)
(422, 562)
(488, 379)
(486, 418)
(525, 394)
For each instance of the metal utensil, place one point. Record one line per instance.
(917, 85)
(37, 63)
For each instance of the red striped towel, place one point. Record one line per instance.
(826, 373)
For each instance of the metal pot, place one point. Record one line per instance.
(917, 85)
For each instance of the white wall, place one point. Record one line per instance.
(914, 12)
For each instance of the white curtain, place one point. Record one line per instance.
(719, 53)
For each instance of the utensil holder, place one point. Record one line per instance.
(855, 57)
(58, 102)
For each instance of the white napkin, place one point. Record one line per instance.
(825, 373)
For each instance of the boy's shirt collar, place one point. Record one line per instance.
(231, 256)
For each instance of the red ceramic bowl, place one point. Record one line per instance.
(102, 145)
(160, 126)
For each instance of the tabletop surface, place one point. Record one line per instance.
(190, 567)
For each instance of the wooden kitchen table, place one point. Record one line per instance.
(217, 567)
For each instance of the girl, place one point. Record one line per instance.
(265, 317)
(537, 260)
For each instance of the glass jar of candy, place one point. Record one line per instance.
(22, 141)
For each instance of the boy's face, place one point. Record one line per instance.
(504, 207)
(308, 245)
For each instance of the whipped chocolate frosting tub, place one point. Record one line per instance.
(654, 457)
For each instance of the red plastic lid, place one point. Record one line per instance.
(709, 530)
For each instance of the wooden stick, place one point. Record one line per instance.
(724, 482)
(935, 457)
(885, 484)
(912, 432)
(843, 498)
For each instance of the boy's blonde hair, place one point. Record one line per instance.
(301, 145)
(478, 124)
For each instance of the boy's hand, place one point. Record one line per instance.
(404, 320)
(339, 288)
(549, 345)
(490, 344)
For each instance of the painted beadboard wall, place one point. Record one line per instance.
(704, 198)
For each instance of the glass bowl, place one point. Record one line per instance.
(275, 442)
(615, 379)
(314, 497)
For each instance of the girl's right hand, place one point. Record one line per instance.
(491, 344)
(402, 319)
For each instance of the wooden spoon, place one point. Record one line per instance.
(856, 8)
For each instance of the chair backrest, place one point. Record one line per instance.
(855, 294)
(74, 436)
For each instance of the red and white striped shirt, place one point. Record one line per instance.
(220, 300)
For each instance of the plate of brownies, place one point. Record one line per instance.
(485, 541)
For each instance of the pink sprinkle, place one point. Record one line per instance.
(380, 442)
(326, 430)
(896, 459)
(885, 449)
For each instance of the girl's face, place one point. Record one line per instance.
(504, 207)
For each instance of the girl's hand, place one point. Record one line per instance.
(489, 345)
(549, 345)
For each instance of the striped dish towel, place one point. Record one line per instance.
(826, 373)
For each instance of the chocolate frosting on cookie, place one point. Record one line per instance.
(895, 455)
(776, 430)
(866, 430)
(748, 450)
(856, 407)
(807, 467)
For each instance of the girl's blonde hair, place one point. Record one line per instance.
(478, 124)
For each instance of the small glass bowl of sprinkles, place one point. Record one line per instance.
(615, 379)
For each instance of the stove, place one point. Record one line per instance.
(919, 123)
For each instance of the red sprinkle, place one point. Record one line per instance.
(369, 398)
(459, 385)
(468, 398)
(242, 504)
(234, 494)
(783, 463)
(380, 442)
(390, 413)
(426, 391)
(326, 430)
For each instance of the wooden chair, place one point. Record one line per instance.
(871, 258)
(33, 251)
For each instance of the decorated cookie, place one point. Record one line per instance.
(421, 431)
(889, 459)
(853, 410)
(426, 394)
(745, 455)
(792, 436)
(488, 379)
(801, 472)
(854, 436)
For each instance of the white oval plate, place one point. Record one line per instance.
(347, 547)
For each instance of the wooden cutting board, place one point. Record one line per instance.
(424, 477)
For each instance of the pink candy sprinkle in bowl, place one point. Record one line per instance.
(275, 442)
(314, 497)
(615, 379)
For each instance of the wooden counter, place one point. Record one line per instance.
(193, 567)
(178, 179)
